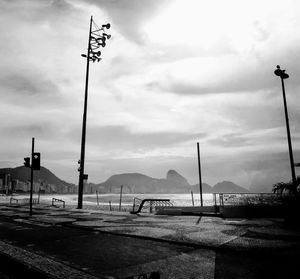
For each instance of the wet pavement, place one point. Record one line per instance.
(72, 243)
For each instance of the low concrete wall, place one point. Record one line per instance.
(252, 211)
(185, 210)
(227, 211)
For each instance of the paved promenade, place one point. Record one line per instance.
(71, 243)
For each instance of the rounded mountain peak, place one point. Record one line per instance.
(175, 176)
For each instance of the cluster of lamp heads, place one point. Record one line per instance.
(281, 73)
(98, 39)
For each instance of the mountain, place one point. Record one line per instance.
(174, 176)
(206, 188)
(140, 183)
(173, 183)
(228, 187)
(42, 178)
(45, 180)
(132, 182)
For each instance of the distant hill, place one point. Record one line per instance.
(174, 176)
(173, 183)
(43, 176)
(140, 183)
(206, 188)
(228, 187)
(132, 183)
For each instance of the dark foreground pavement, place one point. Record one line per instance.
(57, 243)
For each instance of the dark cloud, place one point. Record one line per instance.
(37, 10)
(267, 113)
(231, 140)
(43, 130)
(121, 137)
(30, 87)
(25, 84)
(130, 15)
(257, 170)
(241, 76)
(268, 169)
(234, 83)
(24, 131)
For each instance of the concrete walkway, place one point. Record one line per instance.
(66, 244)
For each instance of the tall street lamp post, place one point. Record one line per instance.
(283, 75)
(97, 38)
(199, 171)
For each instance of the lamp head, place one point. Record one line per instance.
(284, 75)
(103, 39)
(107, 26)
(281, 73)
(107, 36)
(98, 53)
(103, 44)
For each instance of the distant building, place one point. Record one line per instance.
(5, 184)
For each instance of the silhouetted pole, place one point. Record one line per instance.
(199, 170)
(98, 39)
(192, 194)
(121, 192)
(39, 195)
(83, 136)
(31, 177)
(283, 75)
(97, 198)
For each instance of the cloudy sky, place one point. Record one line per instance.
(176, 72)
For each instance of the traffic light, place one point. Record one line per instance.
(85, 177)
(36, 161)
(27, 162)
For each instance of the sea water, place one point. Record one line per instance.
(185, 199)
(112, 201)
(176, 199)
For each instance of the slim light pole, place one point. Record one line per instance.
(283, 76)
(35, 165)
(199, 171)
(97, 38)
(31, 177)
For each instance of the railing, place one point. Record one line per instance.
(250, 205)
(13, 200)
(54, 200)
(149, 203)
(135, 204)
(24, 201)
(223, 199)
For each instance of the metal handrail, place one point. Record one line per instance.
(134, 202)
(245, 198)
(58, 200)
(13, 199)
(150, 202)
(24, 200)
